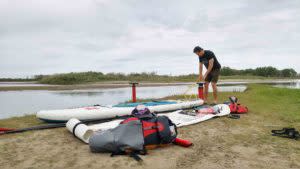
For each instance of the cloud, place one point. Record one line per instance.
(51, 36)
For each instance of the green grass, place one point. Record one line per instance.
(271, 102)
(268, 102)
(20, 122)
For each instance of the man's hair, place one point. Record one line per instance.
(197, 49)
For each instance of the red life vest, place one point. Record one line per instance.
(238, 109)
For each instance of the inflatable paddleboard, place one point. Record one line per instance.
(100, 112)
(180, 118)
(153, 103)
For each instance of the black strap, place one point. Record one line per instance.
(157, 129)
(234, 116)
(118, 152)
(135, 156)
(74, 128)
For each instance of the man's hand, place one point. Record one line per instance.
(204, 77)
(200, 78)
(200, 72)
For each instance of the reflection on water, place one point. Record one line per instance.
(291, 85)
(16, 103)
(80, 93)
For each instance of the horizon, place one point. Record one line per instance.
(52, 36)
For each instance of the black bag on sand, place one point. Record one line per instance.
(291, 133)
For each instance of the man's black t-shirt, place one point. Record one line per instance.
(207, 56)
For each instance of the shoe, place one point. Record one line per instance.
(287, 133)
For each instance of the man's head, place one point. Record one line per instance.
(198, 51)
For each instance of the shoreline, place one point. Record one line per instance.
(122, 84)
(86, 86)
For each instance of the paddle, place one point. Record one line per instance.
(54, 125)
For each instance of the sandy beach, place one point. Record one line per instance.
(218, 143)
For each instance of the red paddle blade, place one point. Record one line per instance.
(5, 129)
(183, 143)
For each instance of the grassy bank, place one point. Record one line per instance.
(17, 79)
(219, 143)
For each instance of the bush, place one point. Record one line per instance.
(288, 73)
(260, 71)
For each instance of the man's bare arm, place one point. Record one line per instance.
(210, 66)
(200, 71)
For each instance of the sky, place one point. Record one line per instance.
(59, 36)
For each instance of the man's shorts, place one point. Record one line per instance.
(213, 76)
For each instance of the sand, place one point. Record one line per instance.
(218, 143)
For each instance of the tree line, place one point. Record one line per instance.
(86, 77)
(268, 71)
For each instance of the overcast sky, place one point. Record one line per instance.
(54, 36)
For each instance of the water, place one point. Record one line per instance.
(291, 85)
(10, 84)
(17, 103)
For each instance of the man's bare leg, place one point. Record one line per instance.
(206, 87)
(215, 92)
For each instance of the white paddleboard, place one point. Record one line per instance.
(83, 132)
(100, 112)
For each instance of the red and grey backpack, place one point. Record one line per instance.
(135, 135)
(157, 130)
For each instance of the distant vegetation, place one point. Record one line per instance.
(89, 77)
(260, 71)
(86, 77)
(226, 73)
(17, 79)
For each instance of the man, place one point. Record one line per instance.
(213, 67)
